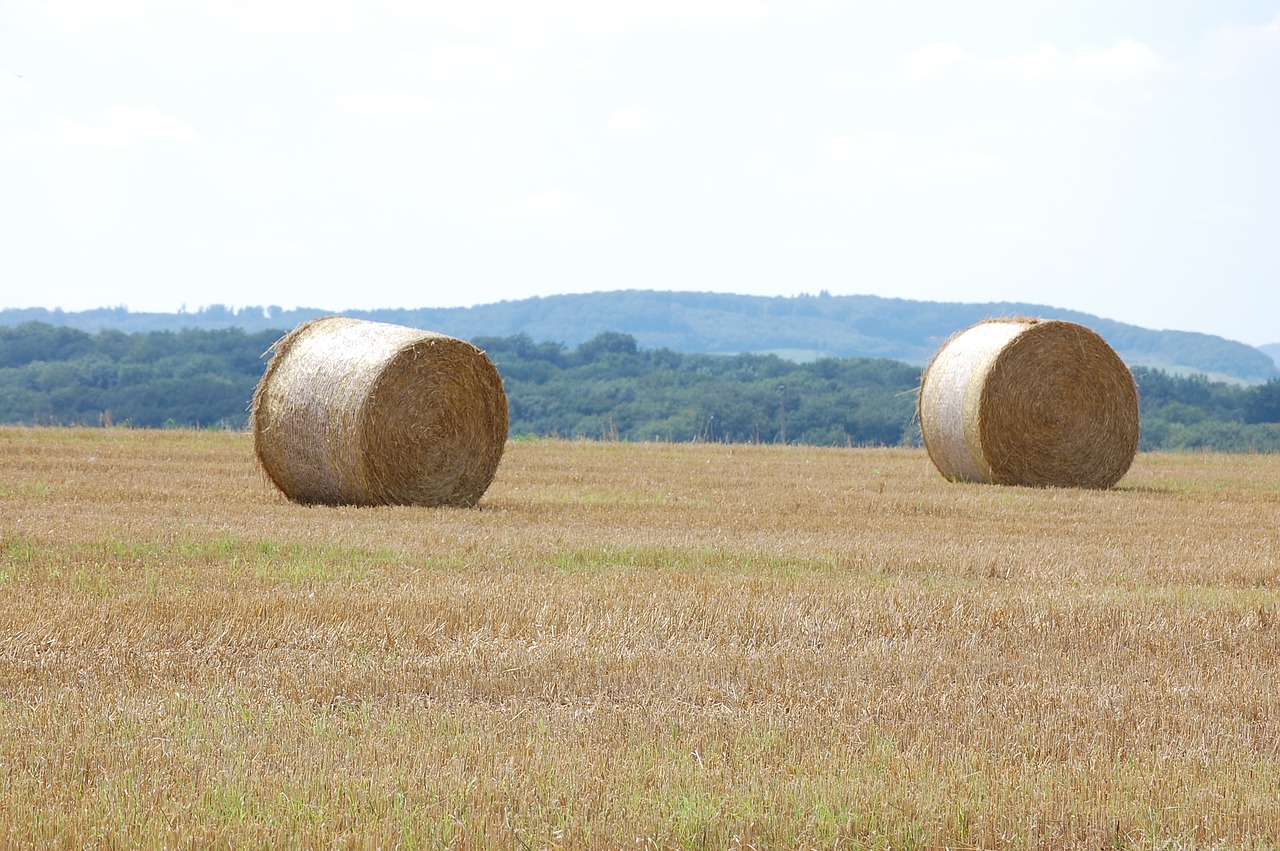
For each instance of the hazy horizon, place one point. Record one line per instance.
(184, 310)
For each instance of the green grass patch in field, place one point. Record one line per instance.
(297, 564)
(19, 549)
(115, 565)
(26, 490)
(694, 560)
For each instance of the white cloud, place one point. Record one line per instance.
(1123, 59)
(595, 19)
(257, 17)
(1087, 108)
(1224, 213)
(275, 17)
(1265, 35)
(1045, 61)
(869, 151)
(554, 204)
(387, 108)
(634, 119)
(83, 14)
(520, 19)
(1042, 62)
(888, 155)
(12, 87)
(264, 248)
(931, 59)
(1231, 50)
(488, 65)
(1003, 230)
(121, 127)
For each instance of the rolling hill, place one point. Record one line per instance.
(801, 327)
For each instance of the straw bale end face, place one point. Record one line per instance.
(368, 413)
(1029, 402)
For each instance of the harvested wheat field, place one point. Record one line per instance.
(635, 646)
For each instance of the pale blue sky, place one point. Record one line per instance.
(1115, 157)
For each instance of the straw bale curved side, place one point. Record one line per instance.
(368, 413)
(1026, 401)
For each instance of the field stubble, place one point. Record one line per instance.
(635, 645)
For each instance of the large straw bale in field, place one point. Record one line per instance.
(1024, 401)
(367, 413)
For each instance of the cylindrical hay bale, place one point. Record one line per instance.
(351, 412)
(1029, 402)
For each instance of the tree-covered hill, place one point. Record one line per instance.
(607, 387)
(51, 374)
(799, 328)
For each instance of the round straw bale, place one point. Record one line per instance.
(367, 413)
(1026, 401)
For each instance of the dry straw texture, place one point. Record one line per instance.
(644, 646)
(1026, 401)
(367, 413)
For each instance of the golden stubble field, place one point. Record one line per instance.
(635, 646)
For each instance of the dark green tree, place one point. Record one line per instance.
(1262, 403)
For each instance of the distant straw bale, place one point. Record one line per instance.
(1026, 401)
(367, 413)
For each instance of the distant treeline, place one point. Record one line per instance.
(605, 388)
